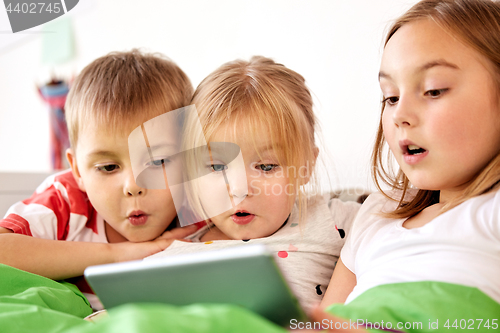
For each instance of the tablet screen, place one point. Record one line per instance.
(245, 275)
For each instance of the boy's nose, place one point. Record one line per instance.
(132, 189)
(131, 193)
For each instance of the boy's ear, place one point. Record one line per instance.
(71, 156)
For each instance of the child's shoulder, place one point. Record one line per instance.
(377, 198)
(60, 187)
(388, 199)
(63, 178)
(327, 209)
(376, 204)
(332, 202)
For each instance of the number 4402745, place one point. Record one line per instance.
(33, 8)
(472, 324)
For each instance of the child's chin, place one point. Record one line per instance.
(247, 237)
(240, 237)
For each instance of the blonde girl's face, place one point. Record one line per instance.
(261, 195)
(441, 117)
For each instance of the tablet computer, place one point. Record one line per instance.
(245, 275)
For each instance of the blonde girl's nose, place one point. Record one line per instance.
(238, 186)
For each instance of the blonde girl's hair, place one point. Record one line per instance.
(476, 23)
(122, 87)
(261, 93)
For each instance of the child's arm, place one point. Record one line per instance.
(342, 283)
(63, 259)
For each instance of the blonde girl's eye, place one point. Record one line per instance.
(435, 93)
(158, 163)
(218, 167)
(267, 167)
(390, 100)
(108, 168)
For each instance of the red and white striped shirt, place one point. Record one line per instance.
(58, 210)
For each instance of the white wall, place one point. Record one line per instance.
(334, 44)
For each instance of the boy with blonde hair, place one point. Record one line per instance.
(96, 209)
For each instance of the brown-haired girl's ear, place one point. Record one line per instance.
(71, 157)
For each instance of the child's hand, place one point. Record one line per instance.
(133, 251)
(179, 233)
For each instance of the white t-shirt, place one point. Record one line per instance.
(305, 251)
(460, 246)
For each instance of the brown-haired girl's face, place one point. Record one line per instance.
(441, 117)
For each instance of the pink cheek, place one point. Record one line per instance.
(389, 138)
(387, 123)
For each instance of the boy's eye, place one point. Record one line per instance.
(267, 167)
(390, 100)
(218, 167)
(108, 168)
(435, 92)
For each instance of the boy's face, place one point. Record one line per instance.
(102, 169)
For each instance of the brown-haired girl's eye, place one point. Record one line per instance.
(433, 93)
(390, 100)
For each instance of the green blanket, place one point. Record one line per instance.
(31, 303)
(425, 306)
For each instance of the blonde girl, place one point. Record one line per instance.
(250, 164)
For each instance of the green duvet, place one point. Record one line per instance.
(425, 306)
(31, 303)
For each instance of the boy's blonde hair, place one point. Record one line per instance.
(476, 23)
(261, 93)
(122, 87)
